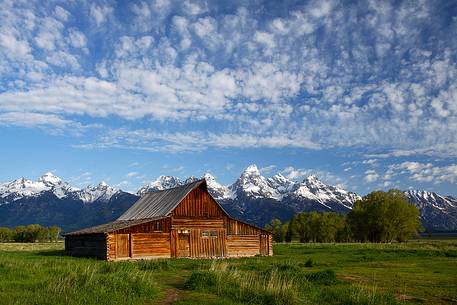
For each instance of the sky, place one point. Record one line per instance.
(362, 94)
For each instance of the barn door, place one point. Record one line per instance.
(122, 245)
(183, 245)
(264, 244)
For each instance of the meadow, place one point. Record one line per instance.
(417, 272)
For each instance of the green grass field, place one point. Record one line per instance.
(418, 272)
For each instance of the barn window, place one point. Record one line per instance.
(214, 233)
(158, 226)
(205, 234)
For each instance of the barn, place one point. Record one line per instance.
(184, 221)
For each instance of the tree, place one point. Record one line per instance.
(54, 232)
(5, 234)
(275, 227)
(384, 217)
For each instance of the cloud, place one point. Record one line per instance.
(313, 77)
(371, 176)
(267, 169)
(131, 174)
(150, 140)
(99, 13)
(426, 172)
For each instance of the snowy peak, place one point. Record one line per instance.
(49, 179)
(423, 199)
(313, 189)
(102, 192)
(217, 190)
(252, 184)
(161, 183)
(19, 188)
(281, 183)
(251, 170)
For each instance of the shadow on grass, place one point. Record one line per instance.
(52, 253)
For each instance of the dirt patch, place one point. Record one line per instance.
(172, 295)
(405, 297)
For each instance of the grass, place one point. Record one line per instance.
(418, 272)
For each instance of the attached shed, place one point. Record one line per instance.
(185, 221)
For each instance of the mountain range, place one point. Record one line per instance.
(252, 197)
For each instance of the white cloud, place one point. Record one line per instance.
(267, 169)
(77, 39)
(426, 172)
(61, 13)
(100, 13)
(371, 176)
(131, 174)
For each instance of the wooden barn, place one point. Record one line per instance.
(184, 221)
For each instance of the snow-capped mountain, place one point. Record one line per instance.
(19, 188)
(252, 184)
(102, 192)
(252, 197)
(22, 188)
(161, 183)
(313, 189)
(437, 212)
(218, 191)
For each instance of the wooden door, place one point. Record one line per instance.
(122, 245)
(264, 244)
(183, 245)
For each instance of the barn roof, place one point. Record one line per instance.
(160, 203)
(112, 226)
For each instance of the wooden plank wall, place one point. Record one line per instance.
(198, 203)
(235, 227)
(86, 245)
(210, 246)
(194, 222)
(245, 245)
(164, 225)
(150, 245)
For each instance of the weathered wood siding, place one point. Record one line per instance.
(162, 225)
(245, 245)
(86, 245)
(235, 227)
(198, 203)
(150, 245)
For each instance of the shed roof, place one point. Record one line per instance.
(160, 203)
(112, 226)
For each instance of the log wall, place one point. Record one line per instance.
(86, 245)
(240, 246)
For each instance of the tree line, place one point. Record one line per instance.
(29, 234)
(377, 217)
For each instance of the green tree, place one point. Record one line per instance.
(5, 234)
(54, 232)
(384, 217)
(275, 227)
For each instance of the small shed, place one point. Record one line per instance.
(184, 221)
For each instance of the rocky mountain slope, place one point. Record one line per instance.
(252, 197)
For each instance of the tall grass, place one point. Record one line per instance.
(243, 286)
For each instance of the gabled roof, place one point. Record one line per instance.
(112, 226)
(160, 203)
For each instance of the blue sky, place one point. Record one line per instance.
(363, 94)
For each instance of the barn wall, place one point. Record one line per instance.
(150, 245)
(246, 245)
(142, 245)
(213, 245)
(86, 245)
(194, 222)
(235, 227)
(198, 203)
(149, 227)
